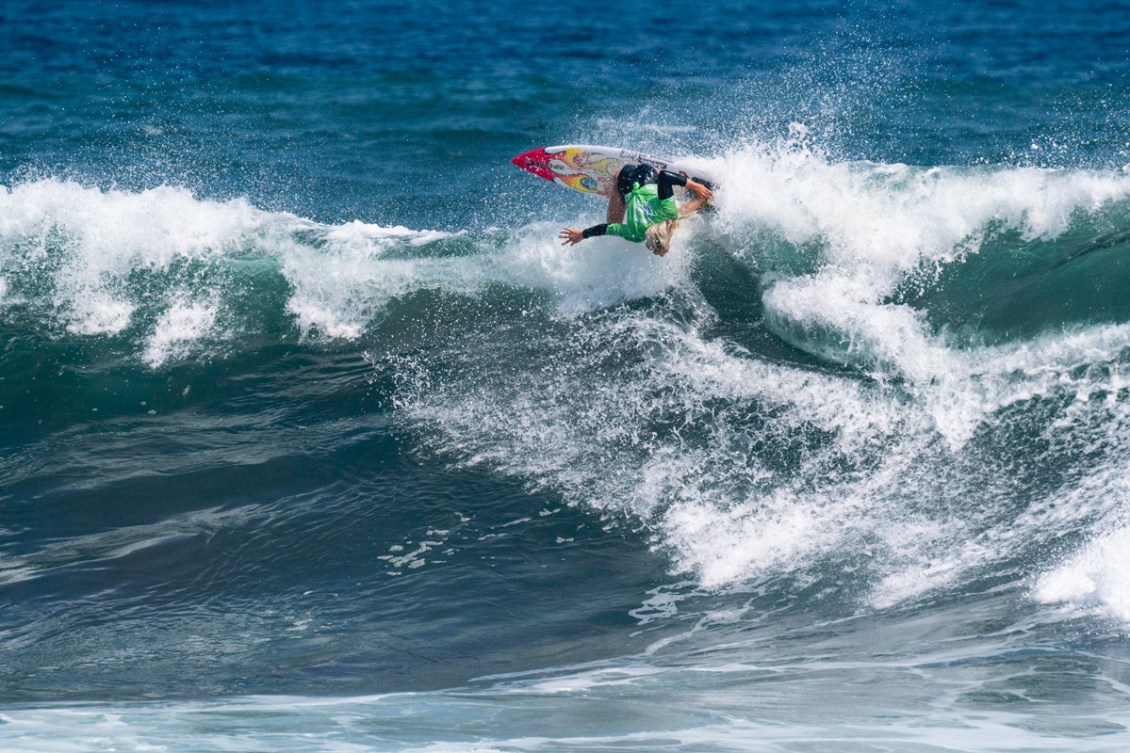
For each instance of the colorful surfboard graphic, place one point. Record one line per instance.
(589, 169)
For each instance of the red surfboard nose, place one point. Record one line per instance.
(535, 161)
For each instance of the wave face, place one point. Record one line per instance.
(313, 437)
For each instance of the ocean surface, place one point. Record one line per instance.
(313, 438)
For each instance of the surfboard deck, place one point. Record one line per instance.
(590, 169)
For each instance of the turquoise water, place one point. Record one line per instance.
(313, 438)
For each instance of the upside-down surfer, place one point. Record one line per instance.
(643, 208)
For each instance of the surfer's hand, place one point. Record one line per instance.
(699, 190)
(571, 237)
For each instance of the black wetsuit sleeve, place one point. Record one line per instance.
(667, 179)
(595, 230)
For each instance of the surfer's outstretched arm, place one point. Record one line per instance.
(572, 237)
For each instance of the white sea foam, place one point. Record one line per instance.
(888, 218)
(1097, 577)
(178, 328)
(342, 283)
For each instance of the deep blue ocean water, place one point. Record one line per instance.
(313, 438)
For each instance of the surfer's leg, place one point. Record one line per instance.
(616, 208)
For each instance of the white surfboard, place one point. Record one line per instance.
(590, 169)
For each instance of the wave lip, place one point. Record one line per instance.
(179, 276)
(149, 266)
(861, 261)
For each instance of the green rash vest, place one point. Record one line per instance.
(644, 208)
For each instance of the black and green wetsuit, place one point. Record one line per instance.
(645, 205)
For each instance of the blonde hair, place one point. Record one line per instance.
(659, 236)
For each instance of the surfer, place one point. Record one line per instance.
(643, 208)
